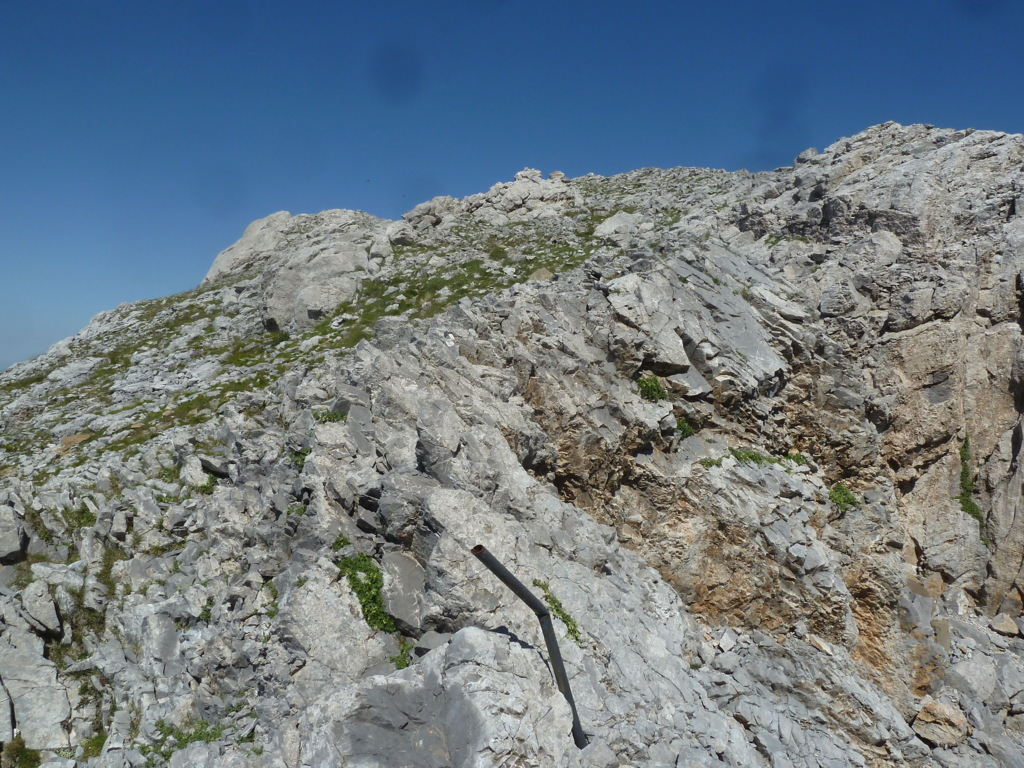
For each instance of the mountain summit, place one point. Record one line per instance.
(752, 437)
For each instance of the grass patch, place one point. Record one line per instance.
(17, 755)
(749, 456)
(175, 738)
(340, 543)
(328, 417)
(93, 746)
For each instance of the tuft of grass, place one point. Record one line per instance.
(175, 738)
(209, 486)
(749, 456)
(558, 611)
(328, 417)
(708, 463)
(93, 746)
(82, 517)
(340, 543)
(843, 498)
(651, 389)
(17, 755)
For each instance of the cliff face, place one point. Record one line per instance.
(757, 433)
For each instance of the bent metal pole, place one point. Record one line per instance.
(520, 590)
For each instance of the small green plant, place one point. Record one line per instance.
(558, 611)
(797, 458)
(651, 389)
(685, 428)
(82, 517)
(843, 498)
(708, 463)
(329, 417)
(402, 659)
(209, 486)
(966, 497)
(207, 613)
(749, 456)
(179, 737)
(105, 577)
(340, 543)
(93, 746)
(298, 459)
(366, 580)
(17, 755)
(301, 582)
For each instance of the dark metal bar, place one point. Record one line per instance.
(546, 627)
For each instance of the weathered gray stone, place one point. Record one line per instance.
(37, 601)
(12, 536)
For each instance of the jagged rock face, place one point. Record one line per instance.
(757, 433)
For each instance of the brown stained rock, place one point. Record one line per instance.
(940, 724)
(1005, 625)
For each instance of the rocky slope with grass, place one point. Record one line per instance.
(754, 437)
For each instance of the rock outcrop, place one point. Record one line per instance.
(753, 436)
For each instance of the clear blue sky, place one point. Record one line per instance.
(138, 139)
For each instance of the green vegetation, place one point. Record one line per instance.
(402, 659)
(685, 428)
(93, 746)
(17, 755)
(843, 498)
(298, 458)
(651, 388)
(708, 463)
(328, 417)
(966, 497)
(209, 486)
(366, 580)
(749, 456)
(179, 737)
(110, 556)
(340, 543)
(558, 611)
(82, 517)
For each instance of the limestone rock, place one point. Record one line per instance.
(800, 547)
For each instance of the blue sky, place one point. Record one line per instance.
(137, 140)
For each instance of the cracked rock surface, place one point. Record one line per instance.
(756, 434)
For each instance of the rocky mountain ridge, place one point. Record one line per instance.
(756, 433)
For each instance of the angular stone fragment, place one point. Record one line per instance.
(12, 536)
(940, 723)
(403, 589)
(1004, 625)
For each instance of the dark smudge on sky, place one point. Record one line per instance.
(396, 71)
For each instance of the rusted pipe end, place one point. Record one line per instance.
(478, 549)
